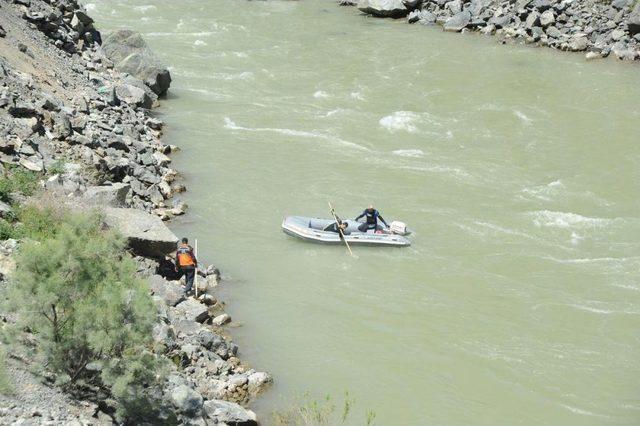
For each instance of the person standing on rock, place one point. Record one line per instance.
(186, 264)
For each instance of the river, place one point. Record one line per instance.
(517, 168)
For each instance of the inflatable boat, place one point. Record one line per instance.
(323, 231)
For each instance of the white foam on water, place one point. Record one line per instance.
(240, 54)
(320, 94)
(400, 120)
(503, 230)
(583, 412)
(566, 220)
(180, 24)
(144, 8)
(199, 43)
(334, 112)
(522, 116)
(246, 75)
(576, 238)
(460, 173)
(602, 311)
(586, 260)
(544, 192)
(357, 95)
(416, 153)
(230, 124)
(90, 7)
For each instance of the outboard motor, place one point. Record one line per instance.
(399, 228)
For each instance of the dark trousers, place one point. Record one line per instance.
(189, 275)
(364, 227)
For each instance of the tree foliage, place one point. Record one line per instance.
(77, 291)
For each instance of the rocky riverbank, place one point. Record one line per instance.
(598, 28)
(76, 109)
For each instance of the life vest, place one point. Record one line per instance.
(372, 217)
(185, 258)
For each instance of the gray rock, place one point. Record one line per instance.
(164, 334)
(133, 95)
(192, 310)
(427, 18)
(229, 412)
(457, 22)
(533, 20)
(618, 34)
(221, 319)
(633, 21)
(147, 235)
(258, 381)
(542, 5)
(454, 6)
(169, 292)
(33, 164)
(622, 51)
(414, 16)
(579, 43)
(5, 209)
(114, 195)
(130, 53)
(187, 400)
(621, 4)
(547, 18)
(383, 8)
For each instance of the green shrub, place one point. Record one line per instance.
(5, 384)
(18, 179)
(8, 230)
(38, 222)
(57, 168)
(77, 291)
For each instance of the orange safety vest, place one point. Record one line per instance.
(185, 256)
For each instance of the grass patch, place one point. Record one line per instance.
(5, 383)
(323, 412)
(20, 180)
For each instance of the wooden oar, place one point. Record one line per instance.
(333, 212)
(195, 279)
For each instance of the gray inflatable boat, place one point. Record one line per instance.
(317, 230)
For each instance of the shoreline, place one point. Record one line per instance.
(79, 115)
(597, 29)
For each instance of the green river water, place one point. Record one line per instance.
(517, 168)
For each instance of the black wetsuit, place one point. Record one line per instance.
(334, 228)
(372, 220)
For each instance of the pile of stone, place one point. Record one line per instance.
(63, 21)
(83, 110)
(209, 379)
(597, 27)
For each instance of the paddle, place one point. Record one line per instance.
(335, 217)
(195, 279)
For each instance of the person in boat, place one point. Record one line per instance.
(186, 264)
(372, 215)
(334, 227)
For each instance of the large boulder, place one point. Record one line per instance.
(169, 292)
(187, 400)
(113, 195)
(633, 21)
(133, 95)
(130, 53)
(229, 413)
(458, 21)
(383, 8)
(148, 236)
(191, 310)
